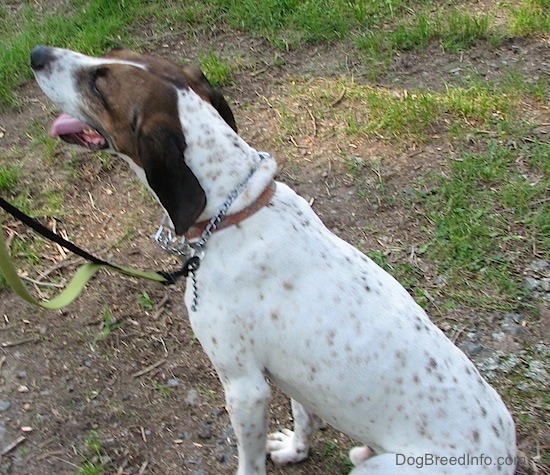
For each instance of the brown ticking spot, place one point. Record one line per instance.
(401, 357)
(358, 400)
(274, 316)
(288, 285)
(475, 436)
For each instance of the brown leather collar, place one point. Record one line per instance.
(195, 231)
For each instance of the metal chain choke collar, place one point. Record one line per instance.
(192, 252)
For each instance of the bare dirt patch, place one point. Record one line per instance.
(122, 367)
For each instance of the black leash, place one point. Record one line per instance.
(165, 278)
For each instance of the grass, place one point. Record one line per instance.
(217, 70)
(108, 327)
(530, 17)
(397, 115)
(382, 28)
(487, 215)
(288, 23)
(455, 29)
(94, 459)
(9, 178)
(146, 301)
(164, 390)
(90, 26)
(336, 460)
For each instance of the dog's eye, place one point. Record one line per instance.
(97, 77)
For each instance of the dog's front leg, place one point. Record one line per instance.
(247, 401)
(293, 446)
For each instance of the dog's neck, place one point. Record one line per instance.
(219, 157)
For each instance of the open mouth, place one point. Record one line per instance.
(73, 130)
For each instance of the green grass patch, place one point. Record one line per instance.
(397, 115)
(530, 17)
(164, 390)
(95, 460)
(290, 23)
(146, 301)
(109, 326)
(381, 28)
(9, 178)
(88, 26)
(28, 249)
(488, 216)
(456, 29)
(217, 70)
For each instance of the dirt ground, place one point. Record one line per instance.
(118, 378)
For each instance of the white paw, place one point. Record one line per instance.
(284, 448)
(358, 455)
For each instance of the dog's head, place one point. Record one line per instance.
(127, 103)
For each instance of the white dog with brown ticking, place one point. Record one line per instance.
(271, 292)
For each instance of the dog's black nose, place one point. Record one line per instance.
(40, 57)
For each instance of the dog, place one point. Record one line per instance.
(271, 293)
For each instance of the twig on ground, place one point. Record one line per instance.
(149, 368)
(339, 99)
(9, 344)
(314, 122)
(39, 282)
(8, 448)
(159, 308)
(458, 333)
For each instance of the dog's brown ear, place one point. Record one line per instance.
(161, 153)
(198, 82)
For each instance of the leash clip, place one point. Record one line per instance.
(191, 265)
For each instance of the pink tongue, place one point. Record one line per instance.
(66, 124)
